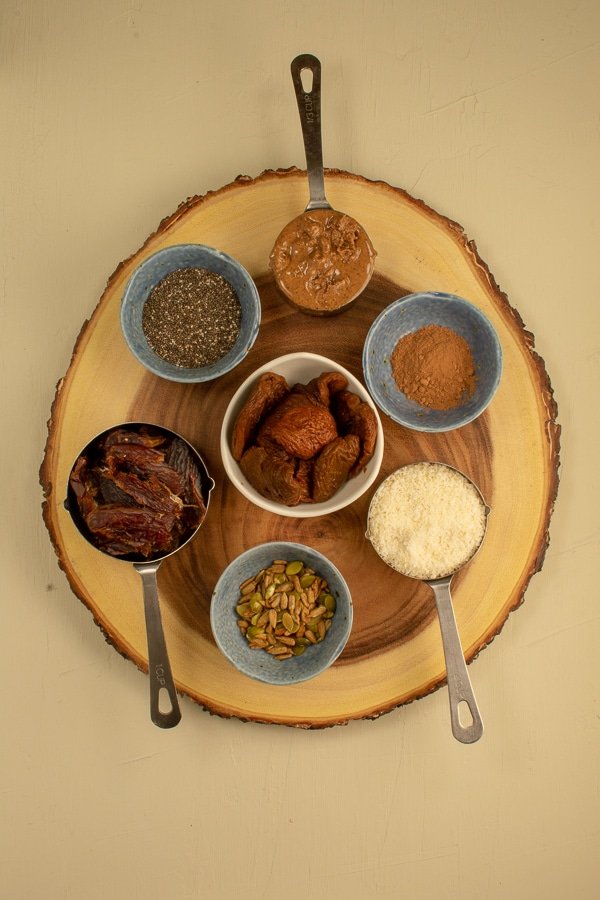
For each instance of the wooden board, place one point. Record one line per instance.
(512, 453)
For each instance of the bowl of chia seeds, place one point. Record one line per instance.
(190, 313)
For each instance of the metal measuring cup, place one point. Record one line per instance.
(159, 667)
(460, 690)
(309, 107)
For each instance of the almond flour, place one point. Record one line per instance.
(426, 520)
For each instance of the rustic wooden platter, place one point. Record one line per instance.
(512, 453)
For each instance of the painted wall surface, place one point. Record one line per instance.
(113, 112)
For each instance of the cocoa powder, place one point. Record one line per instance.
(434, 367)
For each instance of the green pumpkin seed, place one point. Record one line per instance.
(285, 608)
(287, 621)
(254, 631)
(328, 601)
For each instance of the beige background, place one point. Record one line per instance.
(114, 111)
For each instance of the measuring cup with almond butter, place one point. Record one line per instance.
(323, 259)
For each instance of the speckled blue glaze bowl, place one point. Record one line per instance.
(258, 664)
(157, 267)
(410, 314)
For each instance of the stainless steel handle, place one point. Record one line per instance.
(309, 107)
(159, 668)
(459, 684)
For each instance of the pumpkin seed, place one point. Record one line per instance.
(254, 631)
(284, 609)
(328, 601)
(287, 621)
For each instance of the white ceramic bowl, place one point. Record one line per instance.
(299, 367)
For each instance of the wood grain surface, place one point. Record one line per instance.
(512, 452)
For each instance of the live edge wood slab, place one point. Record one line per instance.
(394, 654)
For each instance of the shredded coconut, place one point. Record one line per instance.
(426, 520)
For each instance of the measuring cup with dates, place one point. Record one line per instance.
(140, 492)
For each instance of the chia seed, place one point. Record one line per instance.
(192, 317)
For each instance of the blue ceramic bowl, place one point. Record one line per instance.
(410, 314)
(258, 664)
(157, 267)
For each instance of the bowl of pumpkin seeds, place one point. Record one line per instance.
(281, 613)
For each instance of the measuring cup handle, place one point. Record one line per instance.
(309, 107)
(159, 668)
(459, 684)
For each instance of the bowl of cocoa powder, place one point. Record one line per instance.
(432, 361)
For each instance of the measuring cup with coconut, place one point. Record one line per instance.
(139, 492)
(426, 521)
(323, 259)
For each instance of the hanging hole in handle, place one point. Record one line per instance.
(307, 80)
(465, 716)
(165, 707)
